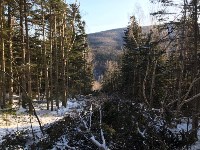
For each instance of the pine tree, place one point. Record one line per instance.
(79, 71)
(43, 46)
(130, 61)
(184, 72)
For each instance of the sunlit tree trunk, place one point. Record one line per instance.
(144, 83)
(56, 61)
(2, 51)
(28, 55)
(38, 82)
(39, 72)
(45, 59)
(51, 60)
(10, 53)
(23, 78)
(62, 46)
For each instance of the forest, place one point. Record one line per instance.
(43, 47)
(148, 99)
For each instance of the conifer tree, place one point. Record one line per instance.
(43, 49)
(129, 68)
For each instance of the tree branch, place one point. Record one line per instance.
(34, 112)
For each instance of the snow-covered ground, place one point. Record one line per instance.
(196, 145)
(21, 120)
(184, 125)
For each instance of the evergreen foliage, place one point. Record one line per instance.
(161, 69)
(44, 50)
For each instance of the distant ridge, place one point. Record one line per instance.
(107, 46)
(110, 38)
(107, 39)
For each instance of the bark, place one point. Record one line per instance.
(38, 82)
(153, 82)
(10, 50)
(2, 50)
(62, 46)
(23, 76)
(45, 59)
(56, 61)
(51, 62)
(28, 55)
(196, 103)
(144, 84)
(182, 57)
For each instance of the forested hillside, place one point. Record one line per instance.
(112, 39)
(107, 46)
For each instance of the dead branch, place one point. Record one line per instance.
(144, 84)
(92, 138)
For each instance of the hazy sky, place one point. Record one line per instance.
(102, 15)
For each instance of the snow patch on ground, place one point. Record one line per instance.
(184, 125)
(196, 145)
(21, 120)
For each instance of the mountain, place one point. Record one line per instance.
(110, 39)
(107, 46)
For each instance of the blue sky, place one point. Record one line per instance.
(103, 15)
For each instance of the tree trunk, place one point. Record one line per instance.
(145, 81)
(62, 41)
(196, 103)
(45, 59)
(56, 61)
(10, 50)
(51, 62)
(28, 56)
(2, 50)
(153, 82)
(23, 77)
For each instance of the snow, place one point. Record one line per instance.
(99, 145)
(62, 144)
(21, 120)
(171, 33)
(196, 145)
(183, 126)
(21, 110)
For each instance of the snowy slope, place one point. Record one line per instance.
(21, 120)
